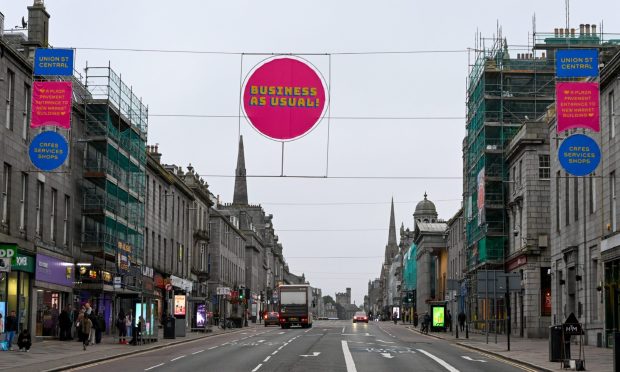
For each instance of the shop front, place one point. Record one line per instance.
(52, 292)
(610, 255)
(15, 284)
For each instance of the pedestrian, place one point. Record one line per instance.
(78, 326)
(10, 327)
(90, 314)
(24, 341)
(449, 320)
(395, 317)
(461, 319)
(97, 320)
(64, 323)
(415, 319)
(426, 323)
(129, 323)
(87, 329)
(1, 324)
(122, 327)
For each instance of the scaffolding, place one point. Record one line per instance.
(114, 185)
(502, 93)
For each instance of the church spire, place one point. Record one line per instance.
(392, 233)
(240, 196)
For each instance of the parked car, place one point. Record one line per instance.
(271, 318)
(360, 316)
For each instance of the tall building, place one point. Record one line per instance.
(503, 90)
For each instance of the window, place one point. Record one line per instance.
(26, 113)
(65, 222)
(146, 246)
(146, 204)
(23, 203)
(39, 207)
(159, 252)
(576, 197)
(567, 200)
(520, 171)
(6, 191)
(592, 194)
(10, 99)
(53, 215)
(180, 253)
(594, 283)
(173, 207)
(166, 205)
(557, 201)
(612, 205)
(159, 210)
(544, 167)
(612, 115)
(209, 263)
(154, 196)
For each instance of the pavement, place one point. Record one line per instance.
(327, 346)
(532, 352)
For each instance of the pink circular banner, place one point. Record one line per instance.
(284, 98)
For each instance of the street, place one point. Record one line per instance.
(328, 346)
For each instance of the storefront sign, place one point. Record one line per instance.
(8, 250)
(179, 305)
(23, 263)
(55, 271)
(519, 261)
(577, 105)
(284, 98)
(579, 155)
(147, 271)
(51, 104)
(159, 280)
(58, 62)
(570, 63)
(117, 282)
(48, 150)
(184, 284)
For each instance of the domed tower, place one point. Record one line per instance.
(425, 211)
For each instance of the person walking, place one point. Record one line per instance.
(461, 319)
(122, 327)
(87, 328)
(10, 327)
(90, 314)
(449, 320)
(100, 322)
(24, 341)
(64, 323)
(129, 323)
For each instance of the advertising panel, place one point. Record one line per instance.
(579, 155)
(48, 150)
(577, 105)
(179, 305)
(57, 62)
(201, 316)
(481, 191)
(439, 313)
(51, 104)
(284, 98)
(571, 63)
(148, 316)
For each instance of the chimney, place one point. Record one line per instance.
(1, 24)
(38, 25)
(155, 153)
(587, 30)
(572, 32)
(581, 26)
(593, 30)
(561, 32)
(555, 32)
(567, 32)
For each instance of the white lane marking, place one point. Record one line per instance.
(387, 355)
(307, 331)
(473, 360)
(198, 352)
(343, 329)
(442, 362)
(266, 359)
(259, 341)
(385, 342)
(155, 366)
(257, 367)
(348, 358)
(177, 358)
(314, 353)
(275, 352)
(280, 333)
(212, 347)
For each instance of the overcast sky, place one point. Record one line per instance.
(382, 86)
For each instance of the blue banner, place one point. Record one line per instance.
(58, 62)
(48, 150)
(579, 155)
(570, 63)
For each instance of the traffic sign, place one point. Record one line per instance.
(579, 155)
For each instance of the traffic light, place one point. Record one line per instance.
(241, 293)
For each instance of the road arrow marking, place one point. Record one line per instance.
(316, 353)
(473, 360)
(387, 355)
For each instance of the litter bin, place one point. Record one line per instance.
(555, 344)
(169, 327)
